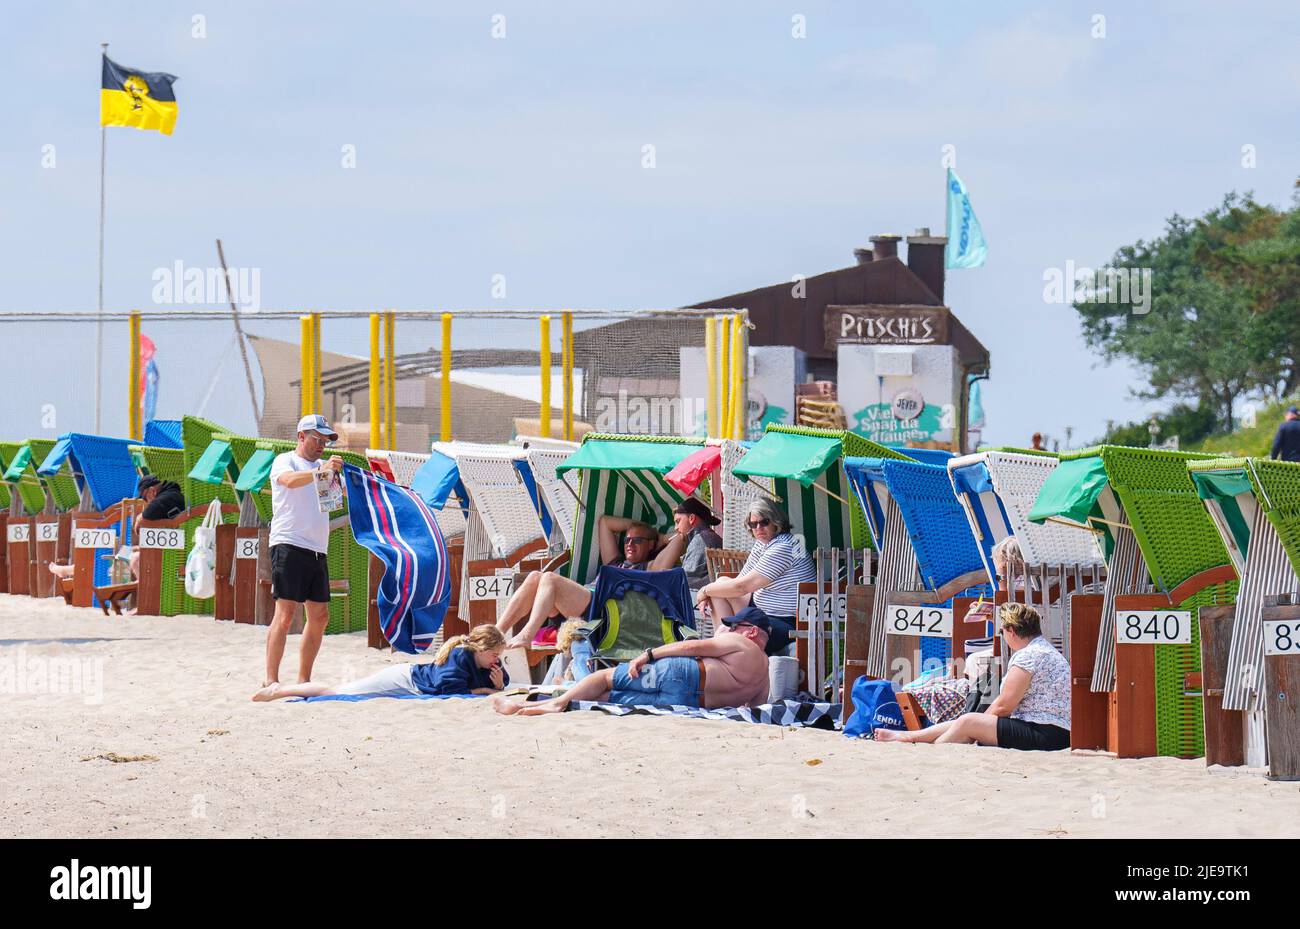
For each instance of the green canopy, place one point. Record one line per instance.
(213, 464)
(1229, 496)
(253, 475)
(19, 464)
(633, 455)
(802, 458)
(1071, 491)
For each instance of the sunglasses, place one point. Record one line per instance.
(636, 540)
(759, 523)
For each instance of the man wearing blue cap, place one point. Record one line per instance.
(300, 534)
(1286, 444)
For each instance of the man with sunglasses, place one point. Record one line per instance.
(300, 535)
(545, 594)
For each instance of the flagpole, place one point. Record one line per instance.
(99, 323)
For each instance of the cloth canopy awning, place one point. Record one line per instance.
(60, 453)
(1229, 497)
(437, 479)
(256, 471)
(214, 463)
(801, 458)
(19, 464)
(694, 469)
(1071, 491)
(630, 455)
(867, 480)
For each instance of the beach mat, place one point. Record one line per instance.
(782, 713)
(357, 698)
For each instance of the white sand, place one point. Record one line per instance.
(178, 689)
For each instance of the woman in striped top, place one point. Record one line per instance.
(770, 579)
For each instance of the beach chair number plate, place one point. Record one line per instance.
(94, 538)
(920, 620)
(1281, 637)
(247, 548)
(1154, 627)
(47, 532)
(496, 587)
(19, 532)
(157, 537)
(809, 610)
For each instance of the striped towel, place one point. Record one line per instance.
(400, 530)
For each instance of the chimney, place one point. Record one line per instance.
(925, 258)
(884, 246)
(863, 255)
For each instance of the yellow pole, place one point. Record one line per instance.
(724, 377)
(444, 400)
(133, 394)
(304, 328)
(566, 356)
(545, 411)
(317, 396)
(711, 371)
(390, 386)
(376, 384)
(739, 368)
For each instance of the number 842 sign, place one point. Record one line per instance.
(1153, 627)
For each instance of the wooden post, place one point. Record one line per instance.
(1089, 711)
(566, 361)
(264, 604)
(1133, 701)
(544, 409)
(1282, 693)
(304, 365)
(21, 552)
(1225, 730)
(318, 398)
(52, 534)
(711, 374)
(374, 635)
(134, 428)
(390, 386)
(4, 553)
(245, 577)
(859, 602)
(223, 605)
(444, 393)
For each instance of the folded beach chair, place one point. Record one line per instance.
(634, 610)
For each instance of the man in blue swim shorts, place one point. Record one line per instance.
(729, 669)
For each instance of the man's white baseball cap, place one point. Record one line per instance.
(317, 423)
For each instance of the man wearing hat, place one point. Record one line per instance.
(300, 533)
(1286, 444)
(695, 522)
(163, 499)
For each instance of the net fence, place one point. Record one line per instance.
(630, 372)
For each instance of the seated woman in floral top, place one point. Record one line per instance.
(1032, 710)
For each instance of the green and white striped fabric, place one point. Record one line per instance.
(1229, 498)
(823, 521)
(612, 485)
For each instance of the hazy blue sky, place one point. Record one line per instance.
(521, 156)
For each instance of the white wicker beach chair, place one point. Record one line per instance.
(737, 495)
(560, 493)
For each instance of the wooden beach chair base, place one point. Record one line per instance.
(114, 595)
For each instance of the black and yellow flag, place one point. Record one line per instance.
(142, 99)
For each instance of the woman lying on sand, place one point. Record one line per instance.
(1032, 710)
(466, 664)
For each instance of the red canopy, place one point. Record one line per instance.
(691, 471)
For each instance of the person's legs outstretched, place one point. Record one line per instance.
(595, 686)
(520, 603)
(555, 594)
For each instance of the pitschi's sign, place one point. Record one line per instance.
(880, 325)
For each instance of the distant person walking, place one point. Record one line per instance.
(300, 532)
(1286, 444)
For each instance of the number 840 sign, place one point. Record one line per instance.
(1153, 627)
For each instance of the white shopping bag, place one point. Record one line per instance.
(201, 565)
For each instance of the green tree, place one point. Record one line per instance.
(1223, 315)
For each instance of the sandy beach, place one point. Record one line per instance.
(173, 693)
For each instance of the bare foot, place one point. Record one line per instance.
(268, 692)
(887, 735)
(519, 641)
(505, 706)
(542, 707)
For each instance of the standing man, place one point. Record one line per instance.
(300, 535)
(1286, 444)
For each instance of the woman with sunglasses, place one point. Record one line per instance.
(546, 594)
(770, 579)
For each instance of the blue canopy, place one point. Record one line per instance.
(867, 480)
(437, 479)
(102, 465)
(937, 456)
(973, 485)
(163, 433)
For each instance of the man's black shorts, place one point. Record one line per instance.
(299, 574)
(1031, 737)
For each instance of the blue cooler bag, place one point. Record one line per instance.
(874, 707)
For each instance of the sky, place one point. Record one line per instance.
(522, 156)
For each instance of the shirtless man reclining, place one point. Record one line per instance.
(543, 594)
(729, 669)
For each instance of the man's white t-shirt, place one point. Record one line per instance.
(296, 518)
